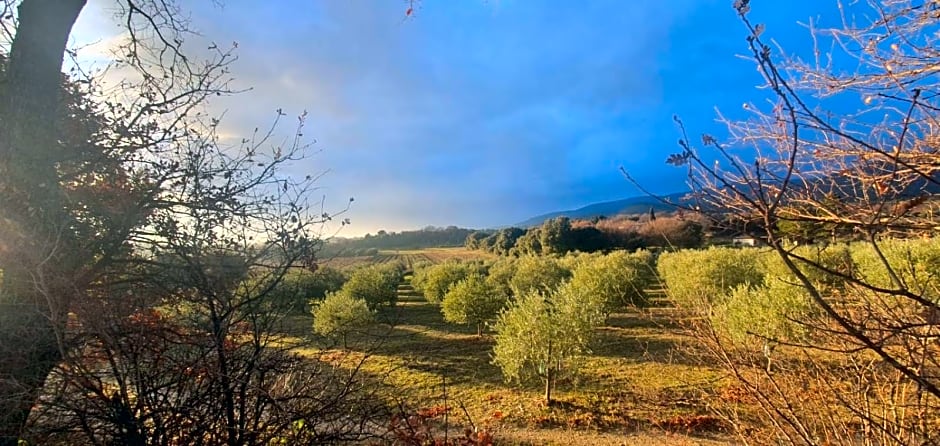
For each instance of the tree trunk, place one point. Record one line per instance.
(549, 376)
(33, 224)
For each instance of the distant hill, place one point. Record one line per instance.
(429, 237)
(632, 205)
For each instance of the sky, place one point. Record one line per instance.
(483, 113)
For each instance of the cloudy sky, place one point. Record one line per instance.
(482, 113)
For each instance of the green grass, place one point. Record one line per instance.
(639, 380)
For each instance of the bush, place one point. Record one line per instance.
(340, 314)
(696, 279)
(473, 301)
(575, 259)
(833, 257)
(539, 273)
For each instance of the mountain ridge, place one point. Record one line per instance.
(631, 205)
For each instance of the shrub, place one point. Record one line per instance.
(833, 257)
(473, 301)
(914, 262)
(340, 314)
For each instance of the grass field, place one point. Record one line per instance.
(638, 387)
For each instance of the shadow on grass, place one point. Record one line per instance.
(417, 334)
(648, 336)
(665, 348)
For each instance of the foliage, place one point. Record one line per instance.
(768, 312)
(436, 280)
(473, 300)
(555, 236)
(540, 334)
(340, 314)
(818, 259)
(672, 232)
(914, 263)
(499, 275)
(298, 288)
(562, 235)
(529, 244)
(429, 237)
(377, 285)
(615, 280)
(573, 260)
(541, 273)
(505, 239)
(474, 238)
(695, 279)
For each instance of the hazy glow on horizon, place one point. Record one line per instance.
(482, 113)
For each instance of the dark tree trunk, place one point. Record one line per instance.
(549, 376)
(33, 224)
(548, 387)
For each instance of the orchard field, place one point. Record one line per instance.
(639, 385)
(408, 257)
(683, 347)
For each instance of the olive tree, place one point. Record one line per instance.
(340, 314)
(539, 273)
(436, 280)
(541, 334)
(616, 279)
(474, 301)
(376, 285)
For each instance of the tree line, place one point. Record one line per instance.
(561, 235)
(370, 244)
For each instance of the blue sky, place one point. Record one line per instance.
(482, 113)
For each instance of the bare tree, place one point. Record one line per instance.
(122, 213)
(867, 173)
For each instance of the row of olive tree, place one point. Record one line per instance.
(353, 307)
(748, 302)
(542, 309)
